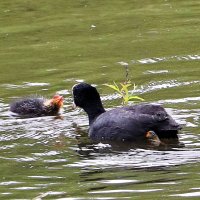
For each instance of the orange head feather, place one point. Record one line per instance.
(57, 100)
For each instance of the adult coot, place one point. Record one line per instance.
(36, 107)
(130, 123)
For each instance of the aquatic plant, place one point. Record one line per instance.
(124, 93)
(122, 89)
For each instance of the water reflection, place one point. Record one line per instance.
(138, 158)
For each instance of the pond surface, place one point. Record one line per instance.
(47, 47)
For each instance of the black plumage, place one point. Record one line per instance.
(130, 123)
(36, 107)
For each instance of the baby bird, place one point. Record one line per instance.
(36, 107)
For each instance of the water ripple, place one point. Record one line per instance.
(11, 183)
(166, 59)
(140, 158)
(189, 194)
(24, 85)
(166, 84)
(124, 191)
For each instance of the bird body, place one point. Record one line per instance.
(130, 123)
(36, 107)
(119, 125)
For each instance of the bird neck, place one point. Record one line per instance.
(93, 111)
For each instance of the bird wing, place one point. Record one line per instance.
(120, 124)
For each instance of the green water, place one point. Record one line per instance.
(47, 46)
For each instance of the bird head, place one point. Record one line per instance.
(152, 136)
(85, 95)
(56, 101)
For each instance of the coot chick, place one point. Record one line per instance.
(153, 138)
(130, 123)
(36, 107)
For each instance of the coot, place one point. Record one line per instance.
(36, 107)
(130, 123)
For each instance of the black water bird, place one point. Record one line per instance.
(129, 123)
(36, 107)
